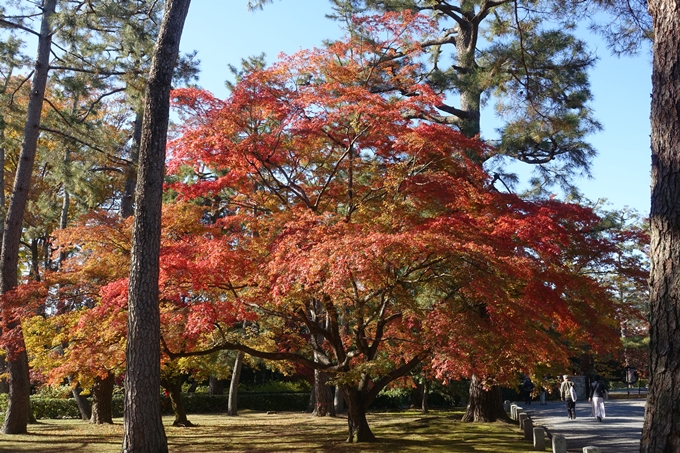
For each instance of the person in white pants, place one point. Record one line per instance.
(598, 391)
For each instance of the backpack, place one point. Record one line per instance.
(572, 392)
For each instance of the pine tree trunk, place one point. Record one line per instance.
(18, 407)
(127, 201)
(19, 402)
(143, 425)
(102, 400)
(661, 430)
(359, 431)
(174, 388)
(470, 95)
(484, 405)
(232, 406)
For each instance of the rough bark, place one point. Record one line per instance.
(102, 400)
(661, 430)
(18, 407)
(232, 406)
(470, 97)
(143, 426)
(174, 388)
(484, 405)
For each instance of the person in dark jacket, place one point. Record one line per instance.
(527, 388)
(597, 395)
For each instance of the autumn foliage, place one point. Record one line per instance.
(376, 239)
(320, 207)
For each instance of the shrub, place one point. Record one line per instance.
(277, 387)
(199, 403)
(54, 407)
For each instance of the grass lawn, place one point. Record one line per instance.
(283, 432)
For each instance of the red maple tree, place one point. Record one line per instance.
(372, 241)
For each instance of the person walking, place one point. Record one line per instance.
(527, 388)
(568, 394)
(598, 392)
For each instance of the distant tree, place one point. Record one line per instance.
(523, 56)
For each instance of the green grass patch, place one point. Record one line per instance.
(251, 431)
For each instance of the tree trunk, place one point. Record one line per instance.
(323, 397)
(661, 429)
(215, 386)
(359, 431)
(102, 400)
(426, 392)
(127, 202)
(83, 404)
(470, 95)
(143, 425)
(174, 388)
(4, 385)
(484, 405)
(18, 407)
(232, 406)
(312, 399)
(19, 402)
(339, 401)
(34, 271)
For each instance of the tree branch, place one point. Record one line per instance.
(89, 71)
(89, 145)
(394, 374)
(9, 24)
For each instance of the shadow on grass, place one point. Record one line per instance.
(282, 432)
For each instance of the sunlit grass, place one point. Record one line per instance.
(283, 432)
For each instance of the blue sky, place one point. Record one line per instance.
(224, 32)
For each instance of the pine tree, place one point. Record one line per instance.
(661, 431)
(523, 57)
(85, 50)
(143, 425)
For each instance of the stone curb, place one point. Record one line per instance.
(537, 434)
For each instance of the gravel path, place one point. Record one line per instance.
(619, 432)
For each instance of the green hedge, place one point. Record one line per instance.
(194, 403)
(198, 403)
